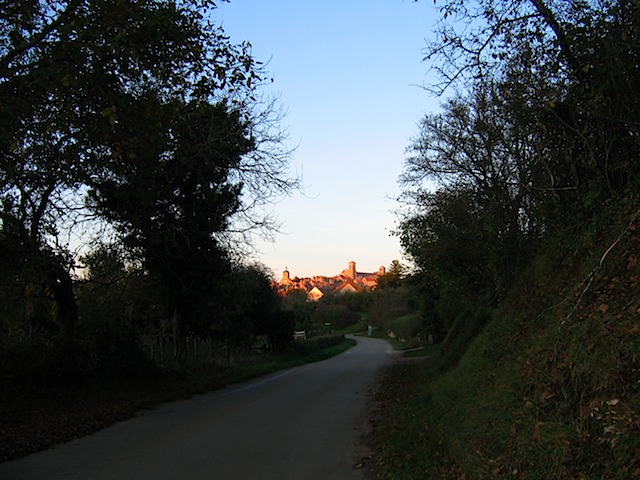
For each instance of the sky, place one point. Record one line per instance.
(349, 74)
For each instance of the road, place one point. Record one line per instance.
(304, 423)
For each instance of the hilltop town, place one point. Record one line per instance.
(348, 281)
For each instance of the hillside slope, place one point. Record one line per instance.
(549, 389)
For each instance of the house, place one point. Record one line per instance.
(315, 294)
(348, 281)
(348, 286)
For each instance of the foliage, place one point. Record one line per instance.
(398, 312)
(546, 390)
(357, 302)
(139, 124)
(81, 83)
(524, 145)
(258, 306)
(394, 274)
(171, 203)
(527, 249)
(569, 72)
(301, 309)
(409, 329)
(338, 316)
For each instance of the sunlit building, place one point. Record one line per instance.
(348, 281)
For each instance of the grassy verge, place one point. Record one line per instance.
(33, 421)
(313, 350)
(548, 388)
(395, 343)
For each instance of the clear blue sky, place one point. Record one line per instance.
(348, 72)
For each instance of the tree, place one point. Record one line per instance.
(253, 308)
(68, 72)
(538, 131)
(397, 269)
(449, 243)
(480, 37)
(577, 63)
(116, 308)
(394, 274)
(94, 92)
(171, 203)
(478, 153)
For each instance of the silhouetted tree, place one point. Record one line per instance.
(394, 274)
(539, 133)
(94, 96)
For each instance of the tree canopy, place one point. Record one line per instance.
(537, 133)
(138, 118)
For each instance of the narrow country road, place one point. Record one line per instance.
(305, 423)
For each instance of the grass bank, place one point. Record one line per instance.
(549, 389)
(35, 420)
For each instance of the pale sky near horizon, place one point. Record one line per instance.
(349, 74)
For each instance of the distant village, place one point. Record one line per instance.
(348, 281)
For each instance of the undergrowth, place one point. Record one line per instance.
(549, 389)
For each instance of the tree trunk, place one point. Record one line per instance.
(179, 336)
(59, 288)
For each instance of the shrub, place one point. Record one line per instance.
(409, 329)
(339, 316)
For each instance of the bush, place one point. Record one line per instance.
(390, 304)
(339, 316)
(120, 355)
(306, 347)
(409, 329)
(279, 328)
(33, 364)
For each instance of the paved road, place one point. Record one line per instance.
(305, 423)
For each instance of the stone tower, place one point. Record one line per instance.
(352, 269)
(286, 279)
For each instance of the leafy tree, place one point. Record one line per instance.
(116, 307)
(280, 328)
(69, 72)
(97, 94)
(538, 132)
(393, 276)
(449, 243)
(472, 236)
(170, 204)
(575, 62)
(337, 315)
(389, 305)
(253, 308)
(296, 302)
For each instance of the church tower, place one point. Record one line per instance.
(352, 269)
(286, 279)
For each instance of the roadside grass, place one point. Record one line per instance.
(425, 351)
(313, 350)
(549, 388)
(36, 420)
(395, 342)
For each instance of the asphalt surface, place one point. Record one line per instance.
(304, 423)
